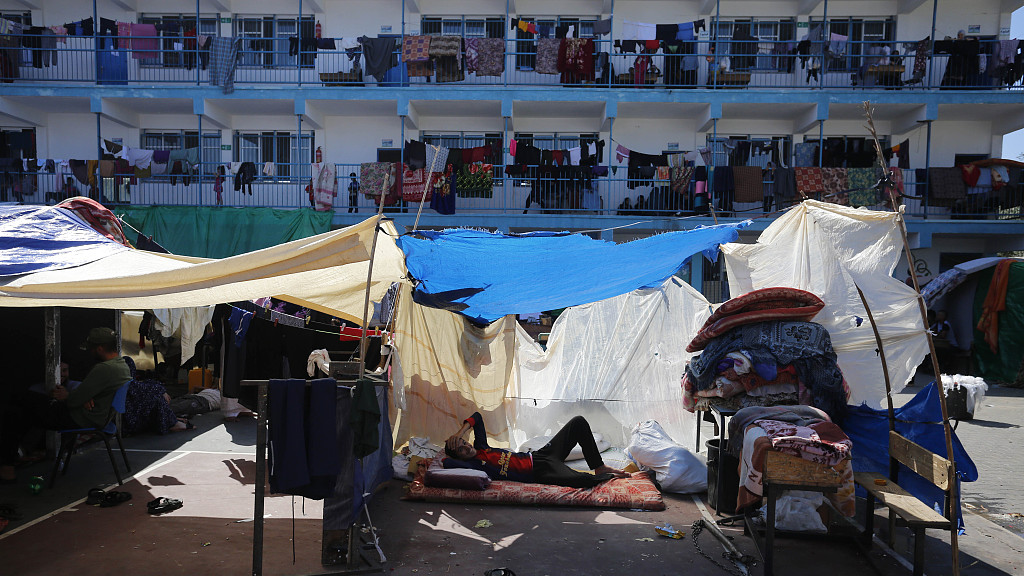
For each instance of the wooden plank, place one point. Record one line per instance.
(905, 504)
(780, 468)
(924, 462)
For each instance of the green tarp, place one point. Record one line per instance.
(1001, 366)
(217, 232)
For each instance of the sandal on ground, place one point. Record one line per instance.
(161, 505)
(96, 497)
(114, 498)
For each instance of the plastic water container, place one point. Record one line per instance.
(199, 378)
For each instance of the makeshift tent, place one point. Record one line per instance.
(485, 276)
(829, 250)
(961, 292)
(68, 267)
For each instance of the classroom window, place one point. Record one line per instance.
(266, 40)
(526, 43)
(465, 26)
(723, 147)
(467, 140)
(292, 159)
(767, 52)
(183, 139)
(861, 34)
(175, 31)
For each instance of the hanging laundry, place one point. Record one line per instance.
(224, 54)
(603, 27)
(621, 153)
(547, 56)
(269, 169)
(145, 41)
(325, 186)
(638, 31)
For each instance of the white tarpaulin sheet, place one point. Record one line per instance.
(617, 362)
(326, 272)
(826, 249)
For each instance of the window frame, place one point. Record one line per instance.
(462, 139)
(169, 56)
(492, 26)
(283, 172)
(883, 140)
(273, 52)
(209, 147)
(785, 31)
(526, 43)
(856, 42)
(785, 143)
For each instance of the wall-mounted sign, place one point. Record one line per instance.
(387, 143)
(385, 29)
(802, 24)
(673, 145)
(225, 20)
(225, 146)
(1004, 31)
(974, 28)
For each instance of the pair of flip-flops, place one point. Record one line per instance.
(98, 497)
(161, 505)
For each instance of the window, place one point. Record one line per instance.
(468, 140)
(173, 44)
(861, 33)
(758, 43)
(183, 139)
(20, 142)
(723, 148)
(279, 148)
(265, 40)
(467, 27)
(849, 151)
(526, 43)
(555, 140)
(24, 18)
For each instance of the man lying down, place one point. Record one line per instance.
(544, 466)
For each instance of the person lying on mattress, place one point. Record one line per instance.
(545, 466)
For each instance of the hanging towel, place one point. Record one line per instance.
(223, 60)
(749, 184)
(145, 41)
(638, 31)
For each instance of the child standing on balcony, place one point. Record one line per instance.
(218, 185)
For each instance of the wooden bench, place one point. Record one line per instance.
(887, 74)
(730, 79)
(917, 515)
(353, 78)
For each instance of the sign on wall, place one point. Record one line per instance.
(387, 143)
(225, 146)
(974, 28)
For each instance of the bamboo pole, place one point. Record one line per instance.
(426, 186)
(952, 490)
(369, 276)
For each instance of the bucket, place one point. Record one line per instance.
(725, 501)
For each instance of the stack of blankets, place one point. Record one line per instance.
(761, 349)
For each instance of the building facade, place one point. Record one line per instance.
(707, 85)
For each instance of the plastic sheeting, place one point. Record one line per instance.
(825, 249)
(448, 368)
(34, 238)
(1001, 366)
(920, 421)
(209, 232)
(326, 272)
(486, 276)
(616, 362)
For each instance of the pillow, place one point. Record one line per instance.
(464, 478)
(779, 303)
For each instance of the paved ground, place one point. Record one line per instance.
(211, 471)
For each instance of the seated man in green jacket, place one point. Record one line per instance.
(545, 466)
(87, 406)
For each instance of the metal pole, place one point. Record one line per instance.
(824, 43)
(96, 41)
(714, 162)
(713, 66)
(399, 176)
(199, 171)
(821, 142)
(507, 68)
(504, 173)
(197, 58)
(403, 21)
(298, 61)
(611, 16)
(99, 156)
(927, 165)
(935, 10)
(298, 152)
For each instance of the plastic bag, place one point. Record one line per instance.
(797, 511)
(676, 468)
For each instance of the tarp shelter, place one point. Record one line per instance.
(961, 292)
(829, 250)
(52, 258)
(485, 276)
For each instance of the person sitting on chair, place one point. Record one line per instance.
(545, 466)
(87, 406)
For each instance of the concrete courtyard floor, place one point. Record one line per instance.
(212, 471)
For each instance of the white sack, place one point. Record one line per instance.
(797, 511)
(677, 469)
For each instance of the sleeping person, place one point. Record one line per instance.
(545, 466)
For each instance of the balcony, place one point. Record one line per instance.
(742, 65)
(510, 195)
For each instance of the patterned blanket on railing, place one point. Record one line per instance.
(488, 56)
(371, 177)
(547, 56)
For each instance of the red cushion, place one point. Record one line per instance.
(762, 305)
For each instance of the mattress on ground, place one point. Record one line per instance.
(636, 492)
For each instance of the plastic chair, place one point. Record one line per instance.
(112, 428)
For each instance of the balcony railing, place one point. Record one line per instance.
(742, 64)
(510, 195)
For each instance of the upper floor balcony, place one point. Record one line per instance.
(444, 62)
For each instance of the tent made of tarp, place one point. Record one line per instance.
(52, 258)
(961, 292)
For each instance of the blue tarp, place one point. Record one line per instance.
(36, 238)
(920, 421)
(485, 276)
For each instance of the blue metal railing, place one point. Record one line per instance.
(741, 64)
(510, 195)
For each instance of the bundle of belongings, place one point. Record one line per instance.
(802, 431)
(761, 349)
